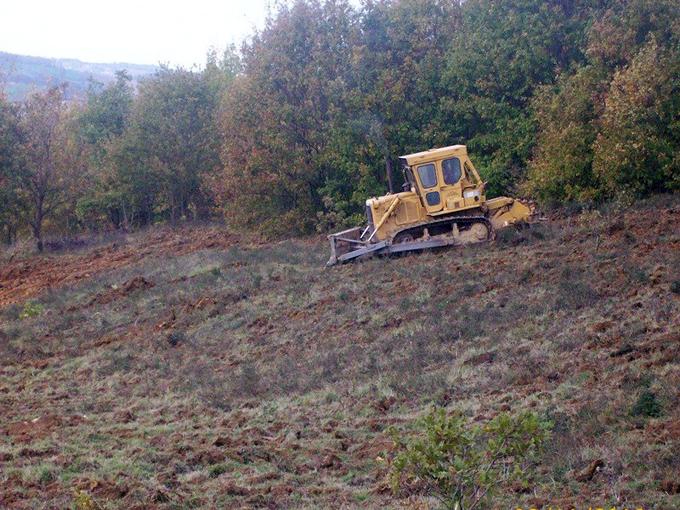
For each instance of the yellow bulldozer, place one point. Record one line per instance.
(443, 204)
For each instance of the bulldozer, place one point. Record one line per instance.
(443, 203)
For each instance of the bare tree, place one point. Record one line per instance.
(42, 177)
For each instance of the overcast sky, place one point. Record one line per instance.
(176, 32)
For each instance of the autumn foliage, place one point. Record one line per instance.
(564, 101)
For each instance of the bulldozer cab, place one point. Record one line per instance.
(444, 179)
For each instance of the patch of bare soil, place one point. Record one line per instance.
(24, 279)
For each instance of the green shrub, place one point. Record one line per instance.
(460, 463)
(45, 474)
(647, 405)
(83, 501)
(675, 287)
(217, 469)
(30, 310)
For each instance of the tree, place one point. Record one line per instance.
(568, 114)
(106, 113)
(101, 124)
(638, 148)
(608, 127)
(10, 138)
(46, 164)
(171, 143)
(391, 106)
(501, 54)
(277, 117)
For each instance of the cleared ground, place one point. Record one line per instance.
(194, 368)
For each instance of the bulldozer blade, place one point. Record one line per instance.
(366, 250)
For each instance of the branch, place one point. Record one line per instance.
(487, 469)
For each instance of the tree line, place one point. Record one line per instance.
(560, 100)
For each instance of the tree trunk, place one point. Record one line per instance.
(125, 218)
(37, 226)
(37, 235)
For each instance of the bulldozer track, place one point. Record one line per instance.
(448, 222)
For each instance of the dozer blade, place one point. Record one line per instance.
(366, 250)
(347, 245)
(383, 248)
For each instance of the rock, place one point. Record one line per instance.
(601, 327)
(553, 376)
(657, 274)
(588, 473)
(281, 490)
(232, 489)
(330, 426)
(161, 496)
(174, 338)
(617, 226)
(384, 404)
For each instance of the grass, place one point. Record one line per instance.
(248, 375)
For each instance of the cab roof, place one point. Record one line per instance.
(435, 154)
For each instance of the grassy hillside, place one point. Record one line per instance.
(195, 368)
(22, 74)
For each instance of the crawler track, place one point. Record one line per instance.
(425, 236)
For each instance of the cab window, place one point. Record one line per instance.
(428, 175)
(451, 170)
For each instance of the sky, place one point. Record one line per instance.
(174, 32)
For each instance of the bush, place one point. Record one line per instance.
(459, 463)
(31, 310)
(675, 287)
(636, 150)
(217, 469)
(83, 501)
(646, 405)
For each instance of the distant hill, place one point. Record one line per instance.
(22, 74)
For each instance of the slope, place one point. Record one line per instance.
(194, 368)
